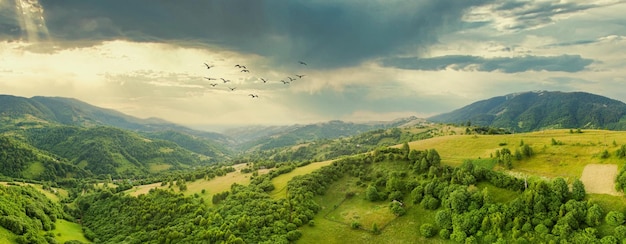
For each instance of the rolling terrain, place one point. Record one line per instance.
(387, 182)
(530, 111)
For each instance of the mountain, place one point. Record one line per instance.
(69, 111)
(20, 113)
(537, 110)
(266, 138)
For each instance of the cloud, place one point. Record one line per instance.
(565, 63)
(518, 15)
(326, 34)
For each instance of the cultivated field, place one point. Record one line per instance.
(600, 179)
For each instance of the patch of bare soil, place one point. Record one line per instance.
(600, 178)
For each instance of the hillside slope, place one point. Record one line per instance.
(530, 111)
(109, 150)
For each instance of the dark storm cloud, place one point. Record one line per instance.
(324, 33)
(566, 63)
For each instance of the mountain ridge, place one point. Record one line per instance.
(535, 110)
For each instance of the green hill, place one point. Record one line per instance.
(297, 134)
(108, 150)
(215, 151)
(20, 160)
(531, 111)
(27, 215)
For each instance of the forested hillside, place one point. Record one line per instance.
(27, 213)
(20, 160)
(531, 111)
(293, 135)
(108, 150)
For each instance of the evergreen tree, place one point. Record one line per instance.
(578, 190)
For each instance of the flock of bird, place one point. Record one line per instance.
(245, 69)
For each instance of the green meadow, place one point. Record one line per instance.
(6, 236)
(211, 187)
(280, 182)
(67, 231)
(565, 159)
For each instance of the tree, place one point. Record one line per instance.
(594, 215)
(605, 154)
(527, 151)
(406, 150)
(614, 218)
(443, 218)
(397, 208)
(427, 230)
(372, 193)
(620, 232)
(578, 190)
(459, 201)
(560, 189)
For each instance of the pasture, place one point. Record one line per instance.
(280, 182)
(566, 159)
(211, 187)
(67, 231)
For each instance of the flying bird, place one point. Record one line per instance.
(300, 76)
(253, 95)
(240, 66)
(264, 80)
(303, 63)
(209, 78)
(284, 82)
(232, 88)
(213, 84)
(291, 79)
(208, 66)
(225, 80)
(245, 70)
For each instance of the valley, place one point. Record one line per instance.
(407, 180)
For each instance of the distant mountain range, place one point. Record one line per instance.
(82, 139)
(529, 111)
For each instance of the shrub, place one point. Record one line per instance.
(614, 218)
(427, 230)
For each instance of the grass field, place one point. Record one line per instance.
(211, 187)
(52, 196)
(566, 160)
(6, 236)
(67, 231)
(280, 182)
(333, 222)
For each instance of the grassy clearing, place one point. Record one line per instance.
(332, 223)
(498, 194)
(566, 160)
(280, 182)
(211, 187)
(34, 169)
(48, 194)
(6, 236)
(158, 167)
(608, 203)
(67, 231)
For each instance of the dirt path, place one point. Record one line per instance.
(600, 178)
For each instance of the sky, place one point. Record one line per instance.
(361, 60)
